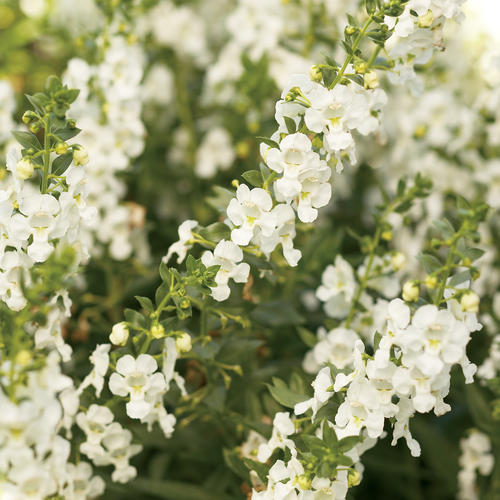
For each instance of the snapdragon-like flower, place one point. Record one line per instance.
(337, 288)
(250, 211)
(304, 175)
(228, 256)
(138, 379)
(181, 246)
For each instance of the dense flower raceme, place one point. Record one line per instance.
(408, 373)
(263, 219)
(111, 88)
(34, 457)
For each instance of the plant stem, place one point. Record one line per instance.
(46, 156)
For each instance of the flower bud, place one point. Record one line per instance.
(426, 20)
(315, 74)
(431, 282)
(398, 261)
(371, 80)
(23, 357)
(157, 331)
(25, 169)
(360, 67)
(386, 235)
(61, 148)
(304, 482)
(183, 343)
(353, 478)
(410, 291)
(80, 156)
(350, 30)
(119, 334)
(469, 302)
(29, 116)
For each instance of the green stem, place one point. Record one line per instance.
(46, 156)
(350, 56)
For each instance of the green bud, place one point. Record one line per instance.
(315, 73)
(61, 148)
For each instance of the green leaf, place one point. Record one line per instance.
(261, 469)
(161, 292)
(446, 230)
(473, 253)
(283, 395)
(135, 318)
(66, 133)
(269, 142)
(291, 126)
(61, 163)
(430, 262)
(27, 140)
(216, 232)
(309, 339)
(236, 464)
(348, 443)
(165, 273)
(253, 177)
(146, 303)
(330, 436)
(459, 278)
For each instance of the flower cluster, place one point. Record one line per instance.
(475, 458)
(109, 110)
(34, 457)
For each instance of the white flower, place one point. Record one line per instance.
(283, 427)
(250, 211)
(322, 386)
(476, 457)
(228, 256)
(334, 347)
(100, 359)
(337, 288)
(215, 152)
(119, 334)
(182, 246)
(137, 378)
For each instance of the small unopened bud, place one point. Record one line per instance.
(23, 357)
(25, 169)
(183, 343)
(360, 67)
(426, 20)
(157, 331)
(35, 127)
(371, 80)
(398, 261)
(28, 117)
(61, 148)
(304, 482)
(410, 291)
(431, 282)
(420, 131)
(387, 235)
(315, 74)
(350, 30)
(119, 334)
(469, 302)
(80, 156)
(353, 478)
(242, 149)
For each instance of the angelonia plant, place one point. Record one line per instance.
(314, 329)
